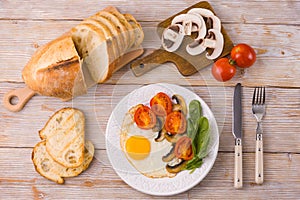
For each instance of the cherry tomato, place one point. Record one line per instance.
(222, 70)
(184, 149)
(243, 55)
(161, 104)
(144, 117)
(175, 123)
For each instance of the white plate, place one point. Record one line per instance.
(183, 181)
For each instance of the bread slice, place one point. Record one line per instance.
(115, 20)
(137, 29)
(122, 19)
(114, 30)
(47, 167)
(55, 70)
(106, 32)
(95, 50)
(64, 133)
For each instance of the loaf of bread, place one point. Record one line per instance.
(89, 53)
(55, 70)
(64, 133)
(46, 166)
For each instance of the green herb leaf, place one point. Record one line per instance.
(195, 110)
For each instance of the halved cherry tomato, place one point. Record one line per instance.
(243, 55)
(175, 123)
(184, 149)
(144, 117)
(161, 104)
(223, 70)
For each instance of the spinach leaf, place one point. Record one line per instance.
(195, 110)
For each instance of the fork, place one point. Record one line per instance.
(258, 110)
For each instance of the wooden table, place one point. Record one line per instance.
(271, 27)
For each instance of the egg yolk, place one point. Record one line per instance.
(138, 147)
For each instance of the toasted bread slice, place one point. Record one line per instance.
(64, 132)
(46, 166)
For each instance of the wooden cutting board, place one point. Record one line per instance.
(185, 63)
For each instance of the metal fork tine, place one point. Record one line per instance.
(261, 96)
(257, 96)
(253, 98)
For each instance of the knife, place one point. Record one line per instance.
(237, 133)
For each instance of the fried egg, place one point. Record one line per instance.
(141, 149)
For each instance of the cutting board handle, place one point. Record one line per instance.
(158, 57)
(22, 94)
(149, 62)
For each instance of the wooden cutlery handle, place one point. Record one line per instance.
(238, 166)
(259, 164)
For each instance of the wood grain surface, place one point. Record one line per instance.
(271, 27)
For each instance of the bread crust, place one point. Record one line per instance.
(55, 70)
(64, 132)
(46, 166)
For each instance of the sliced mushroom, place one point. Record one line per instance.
(196, 47)
(160, 121)
(207, 14)
(217, 44)
(180, 101)
(176, 167)
(190, 22)
(173, 138)
(161, 135)
(170, 156)
(172, 37)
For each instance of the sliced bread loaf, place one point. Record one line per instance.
(138, 31)
(122, 19)
(64, 133)
(95, 50)
(114, 30)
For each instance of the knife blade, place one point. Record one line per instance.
(237, 133)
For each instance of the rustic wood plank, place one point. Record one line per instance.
(280, 123)
(244, 11)
(101, 181)
(281, 60)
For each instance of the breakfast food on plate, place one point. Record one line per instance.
(47, 167)
(165, 137)
(87, 54)
(202, 23)
(63, 151)
(141, 149)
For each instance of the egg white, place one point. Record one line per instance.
(152, 166)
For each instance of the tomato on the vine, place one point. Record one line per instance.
(243, 55)
(222, 70)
